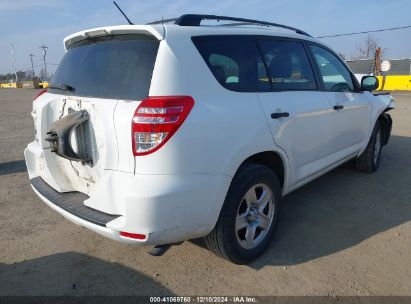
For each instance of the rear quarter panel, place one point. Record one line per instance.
(223, 128)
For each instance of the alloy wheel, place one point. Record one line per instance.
(254, 216)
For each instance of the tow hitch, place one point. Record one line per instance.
(159, 250)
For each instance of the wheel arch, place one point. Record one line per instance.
(386, 122)
(382, 116)
(271, 159)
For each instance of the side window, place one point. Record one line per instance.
(230, 59)
(263, 81)
(335, 75)
(288, 65)
(229, 73)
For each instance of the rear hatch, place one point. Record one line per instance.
(98, 75)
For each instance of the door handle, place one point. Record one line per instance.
(279, 115)
(338, 107)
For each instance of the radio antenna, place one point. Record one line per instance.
(121, 11)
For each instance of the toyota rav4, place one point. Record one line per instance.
(159, 133)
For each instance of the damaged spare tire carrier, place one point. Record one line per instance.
(59, 135)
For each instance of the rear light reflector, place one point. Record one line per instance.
(156, 120)
(136, 236)
(40, 93)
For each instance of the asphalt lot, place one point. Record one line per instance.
(344, 234)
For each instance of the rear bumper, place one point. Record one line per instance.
(100, 229)
(165, 208)
(72, 202)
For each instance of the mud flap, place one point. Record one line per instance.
(60, 133)
(387, 121)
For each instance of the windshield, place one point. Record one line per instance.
(117, 67)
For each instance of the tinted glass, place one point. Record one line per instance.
(335, 75)
(263, 81)
(118, 67)
(288, 65)
(231, 59)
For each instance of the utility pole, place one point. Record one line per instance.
(32, 66)
(14, 62)
(377, 62)
(44, 57)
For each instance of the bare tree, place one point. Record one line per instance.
(366, 50)
(29, 75)
(43, 74)
(21, 76)
(342, 55)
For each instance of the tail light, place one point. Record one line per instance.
(156, 120)
(40, 93)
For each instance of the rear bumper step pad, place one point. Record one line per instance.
(72, 202)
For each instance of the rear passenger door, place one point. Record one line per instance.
(351, 108)
(299, 115)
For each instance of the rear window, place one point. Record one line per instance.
(228, 58)
(118, 67)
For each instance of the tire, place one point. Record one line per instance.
(369, 160)
(229, 239)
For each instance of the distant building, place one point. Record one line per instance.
(366, 66)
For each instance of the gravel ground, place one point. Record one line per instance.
(344, 234)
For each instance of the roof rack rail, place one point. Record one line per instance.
(195, 20)
(163, 21)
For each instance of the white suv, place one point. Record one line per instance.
(155, 134)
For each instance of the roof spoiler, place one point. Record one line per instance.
(157, 32)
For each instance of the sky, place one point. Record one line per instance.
(28, 24)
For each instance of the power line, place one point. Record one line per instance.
(367, 32)
(325, 36)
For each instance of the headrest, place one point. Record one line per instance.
(281, 67)
(219, 73)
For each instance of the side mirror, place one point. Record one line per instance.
(369, 83)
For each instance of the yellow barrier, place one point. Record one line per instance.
(391, 83)
(395, 83)
(8, 85)
(379, 83)
(44, 84)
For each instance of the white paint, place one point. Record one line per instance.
(177, 192)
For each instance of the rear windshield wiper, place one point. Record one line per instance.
(61, 86)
